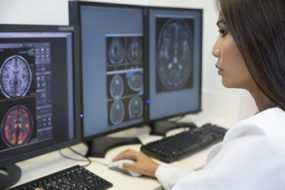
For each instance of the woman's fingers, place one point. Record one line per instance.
(127, 154)
(143, 164)
(131, 167)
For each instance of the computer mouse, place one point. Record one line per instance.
(118, 166)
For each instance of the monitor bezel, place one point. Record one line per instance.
(20, 28)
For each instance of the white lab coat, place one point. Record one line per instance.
(251, 157)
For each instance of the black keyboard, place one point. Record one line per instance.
(181, 145)
(74, 178)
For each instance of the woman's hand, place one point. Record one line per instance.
(143, 164)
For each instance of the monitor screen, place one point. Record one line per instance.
(112, 66)
(175, 61)
(37, 111)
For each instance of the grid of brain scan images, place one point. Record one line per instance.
(124, 55)
(25, 99)
(174, 59)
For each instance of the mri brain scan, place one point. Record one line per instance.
(15, 77)
(135, 107)
(174, 63)
(117, 86)
(135, 81)
(117, 112)
(134, 50)
(116, 50)
(17, 126)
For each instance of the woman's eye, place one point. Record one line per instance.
(222, 32)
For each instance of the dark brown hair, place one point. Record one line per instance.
(258, 28)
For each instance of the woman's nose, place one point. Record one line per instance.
(216, 49)
(216, 52)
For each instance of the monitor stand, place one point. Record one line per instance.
(161, 128)
(98, 147)
(9, 176)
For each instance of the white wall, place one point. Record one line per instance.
(220, 105)
(34, 12)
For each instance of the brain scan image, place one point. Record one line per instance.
(116, 86)
(135, 81)
(134, 50)
(116, 50)
(117, 112)
(17, 126)
(135, 107)
(15, 77)
(174, 54)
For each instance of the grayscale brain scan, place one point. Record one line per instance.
(116, 50)
(135, 81)
(174, 54)
(135, 107)
(134, 50)
(117, 86)
(117, 112)
(16, 76)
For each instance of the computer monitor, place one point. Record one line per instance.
(112, 59)
(38, 93)
(175, 62)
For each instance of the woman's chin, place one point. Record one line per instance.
(228, 84)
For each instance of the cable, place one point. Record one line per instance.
(75, 159)
(85, 158)
(70, 158)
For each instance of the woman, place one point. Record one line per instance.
(251, 56)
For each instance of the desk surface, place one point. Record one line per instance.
(52, 162)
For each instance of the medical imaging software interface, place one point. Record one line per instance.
(112, 68)
(35, 98)
(174, 62)
(124, 78)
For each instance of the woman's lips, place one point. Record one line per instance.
(220, 70)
